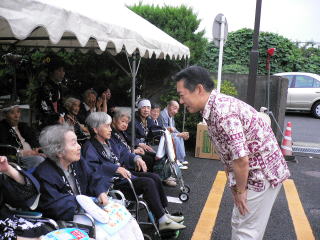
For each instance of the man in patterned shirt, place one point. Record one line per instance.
(246, 145)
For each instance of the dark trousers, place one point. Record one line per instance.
(149, 158)
(148, 184)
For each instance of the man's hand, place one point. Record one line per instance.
(123, 172)
(141, 165)
(171, 129)
(240, 200)
(184, 135)
(241, 171)
(103, 199)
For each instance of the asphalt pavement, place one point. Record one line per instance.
(201, 175)
(305, 129)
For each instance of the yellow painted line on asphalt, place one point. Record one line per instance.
(300, 221)
(209, 213)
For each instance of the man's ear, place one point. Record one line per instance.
(200, 89)
(95, 130)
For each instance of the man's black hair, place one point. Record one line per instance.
(193, 76)
(155, 105)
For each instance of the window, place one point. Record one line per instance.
(289, 77)
(316, 83)
(303, 81)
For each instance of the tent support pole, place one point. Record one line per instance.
(134, 69)
(119, 65)
(133, 99)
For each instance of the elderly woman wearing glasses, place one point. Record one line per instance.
(114, 158)
(64, 175)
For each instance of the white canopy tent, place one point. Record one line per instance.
(94, 24)
(98, 25)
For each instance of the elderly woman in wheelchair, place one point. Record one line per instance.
(113, 158)
(63, 176)
(120, 122)
(20, 190)
(19, 136)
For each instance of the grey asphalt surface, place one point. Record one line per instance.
(305, 128)
(200, 177)
(305, 174)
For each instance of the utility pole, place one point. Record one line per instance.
(254, 57)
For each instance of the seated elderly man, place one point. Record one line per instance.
(155, 114)
(21, 136)
(64, 175)
(17, 189)
(114, 159)
(167, 116)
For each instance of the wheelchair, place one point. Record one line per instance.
(166, 149)
(135, 205)
(11, 152)
(141, 212)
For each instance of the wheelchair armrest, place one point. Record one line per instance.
(9, 146)
(117, 195)
(90, 218)
(133, 190)
(13, 152)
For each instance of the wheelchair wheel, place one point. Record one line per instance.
(146, 237)
(184, 196)
(185, 189)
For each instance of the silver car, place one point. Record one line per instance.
(303, 92)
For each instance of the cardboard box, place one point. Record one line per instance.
(204, 147)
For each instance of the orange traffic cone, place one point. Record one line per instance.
(286, 146)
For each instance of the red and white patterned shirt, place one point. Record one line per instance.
(237, 130)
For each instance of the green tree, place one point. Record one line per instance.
(180, 23)
(311, 58)
(288, 56)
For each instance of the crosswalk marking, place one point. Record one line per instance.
(300, 221)
(209, 213)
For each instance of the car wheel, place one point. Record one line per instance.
(316, 109)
